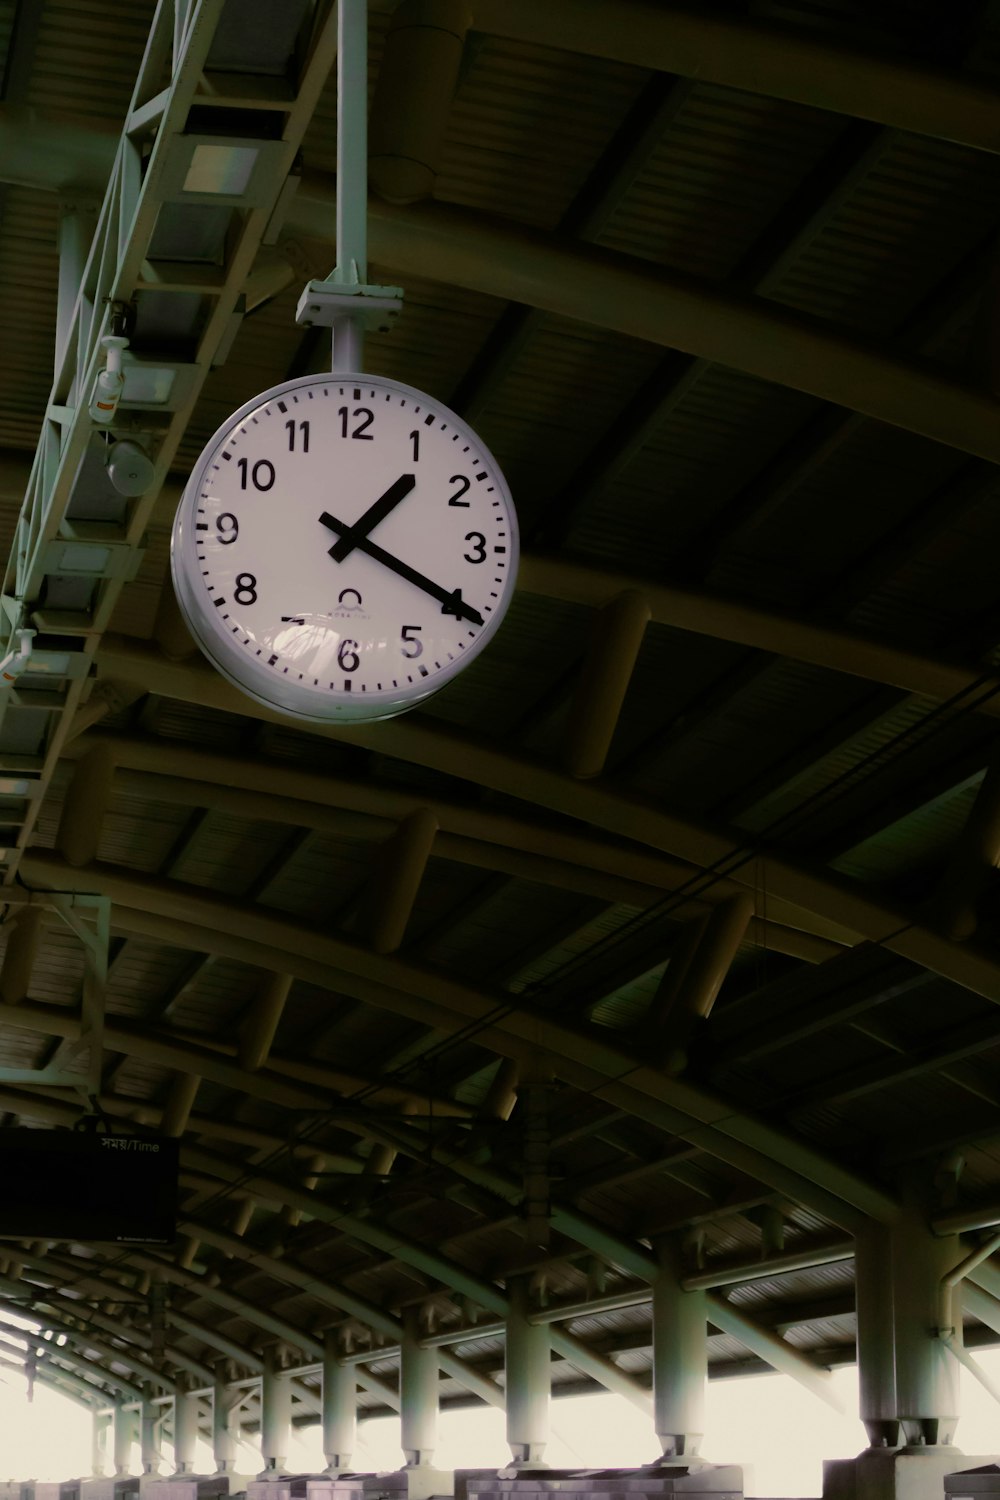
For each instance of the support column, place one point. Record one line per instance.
(185, 1430)
(528, 1377)
(275, 1414)
(124, 1437)
(100, 1422)
(908, 1376)
(223, 1441)
(149, 1433)
(339, 1407)
(418, 1391)
(680, 1359)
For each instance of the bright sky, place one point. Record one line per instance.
(768, 1423)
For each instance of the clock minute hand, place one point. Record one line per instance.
(352, 536)
(450, 599)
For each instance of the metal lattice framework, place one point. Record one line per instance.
(666, 936)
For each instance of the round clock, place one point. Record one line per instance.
(345, 545)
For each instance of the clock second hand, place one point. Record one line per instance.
(352, 536)
(451, 600)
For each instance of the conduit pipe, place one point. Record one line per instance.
(258, 1030)
(393, 886)
(616, 639)
(23, 940)
(417, 79)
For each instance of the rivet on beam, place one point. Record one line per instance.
(616, 640)
(85, 806)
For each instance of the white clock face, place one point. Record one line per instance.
(344, 546)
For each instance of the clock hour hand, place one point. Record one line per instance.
(352, 536)
(451, 600)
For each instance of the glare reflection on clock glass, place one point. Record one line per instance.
(317, 645)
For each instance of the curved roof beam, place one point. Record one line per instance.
(198, 920)
(76, 1337)
(608, 290)
(67, 1385)
(485, 1294)
(833, 897)
(59, 1355)
(592, 286)
(343, 1300)
(566, 859)
(780, 62)
(744, 625)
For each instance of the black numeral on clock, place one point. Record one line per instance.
(245, 591)
(228, 527)
(347, 657)
(415, 440)
(478, 541)
(463, 485)
(409, 638)
(366, 419)
(303, 428)
(261, 475)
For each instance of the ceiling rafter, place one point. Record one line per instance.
(586, 1061)
(604, 808)
(778, 61)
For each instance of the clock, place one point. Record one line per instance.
(344, 547)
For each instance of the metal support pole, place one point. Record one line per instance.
(908, 1381)
(223, 1441)
(339, 1407)
(418, 1389)
(352, 175)
(680, 1360)
(528, 1356)
(99, 1442)
(185, 1431)
(149, 1432)
(275, 1414)
(124, 1437)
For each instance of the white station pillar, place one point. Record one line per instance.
(418, 1393)
(908, 1377)
(340, 1407)
(528, 1377)
(124, 1437)
(275, 1413)
(100, 1423)
(680, 1359)
(149, 1432)
(185, 1430)
(223, 1439)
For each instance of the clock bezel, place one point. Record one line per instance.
(251, 675)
